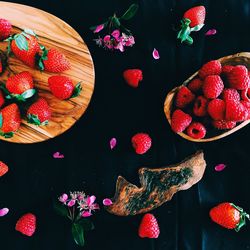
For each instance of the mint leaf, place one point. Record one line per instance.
(78, 234)
(130, 12)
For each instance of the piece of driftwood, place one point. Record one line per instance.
(157, 186)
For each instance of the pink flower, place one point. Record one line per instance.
(98, 28)
(112, 143)
(120, 47)
(220, 167)
(116, 34)
(107, 202)
(3, 211)
(90, 200)
(71, 203)
(58, 155)
(156, 55)
(130, 42)
(86, 214)
(63, 198)
(108, 42)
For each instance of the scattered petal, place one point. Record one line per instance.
(112, 143)
(86, 214)
(220, 167)
(3, 211)
(63, 198)
(211, 32)
(58, 155)
(156, 55)
(107, 202)
(98, 28)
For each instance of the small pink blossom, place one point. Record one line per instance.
(57, 155)
(98, 28)
(108, 42)
(107, 202)
(120, 47)
(116, 34)
(156, 55)
(211, 32)
(113, 143)
(63, 198)
(86, 214)
(90, 200)
(130, 42)
(220, 167)
(3, 211)
(71, 203)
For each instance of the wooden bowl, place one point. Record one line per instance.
(242, 58)
(52, 32)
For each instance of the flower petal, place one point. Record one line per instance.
(3, 211)
(98, 28)
(86, 214)
(107, 202)
(71, 203)
(220, 167)
(116, 34)
(63, 198)
(90, 200)
(112, 143)
(156, 55)
(57, 155)
(211, 32)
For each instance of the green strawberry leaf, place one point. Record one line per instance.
(1, 120)
(60, 209)
(197, 27)
(78, 234)
(130, 12)
(28, 93)
(86, 224)
(33, 119)
(30, 32)
(43, 57)
(77, 90)
(21, 42)
(7, 135)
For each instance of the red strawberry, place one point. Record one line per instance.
(195, 85)
(200, 106)
(25, 47)
(20, 86)
(236, 111)
(212, 87)
(183, 97)
(133, 77)
(62, 87)
(216, 109)
(238, 78)
(39, 112)
(3, 168)
(180, 121)
(5, 29)
(230, 95)
(27, 224)
(149, 227)
(210, 68)
(2, 100)
(141, 143)
(226, 69)
(10, 120)
(223, 124)
(193, 20)
(53, 61)
(229, 216)
(196, 130)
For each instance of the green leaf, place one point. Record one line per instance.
(33, 119)
(28, 93)
(1, 120)
(116, 22)
(7, 135)
(86, 224)
(60, 209)
(77, 90)
(78, 234)
(21, 42)
(197, 27)
(130, 12)
(30, 32)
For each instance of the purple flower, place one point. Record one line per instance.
(116, 34)
(107, 202)
(71, 203)
(63, 198)
(98, 28)
(3, 211)
(86, 214)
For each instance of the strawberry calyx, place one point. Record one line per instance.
(21, 97)
(77, 90)
(42, 57)
(243, 216)
(33, 119)
(184, 33)
(6, 135)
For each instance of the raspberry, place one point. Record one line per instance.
(246, 104)
(216, 109)
(183, 97)
(141, 143)
(226, 69)
(27, 224)
(196, 130)
(195, 85)
(149, 227)
(238, 78)
(200, 106)
(236, 111)
(210, 68)
(133, 77)
(212, 87)
(3, 168)
(180, 121)
(230, 95)
(223, 124)
(245, 95)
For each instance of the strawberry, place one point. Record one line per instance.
(193, 20)
(39, 112)
(200, 106)
(5, 29)
(183, 97)
(62, 87)
(236, 111)
(25, 47)
(238, 78)
(149, 227)
(212, 87)
(195, 85)
(210, 68)
(20, 86)
(53, 61)
(27, 224)
(180, 121)
(3, 168)
(2, 100)
(216, 109)
(229, 216)
(223, 124)
(133, 77)
(10, 120)
(196, 130)
(141, 143)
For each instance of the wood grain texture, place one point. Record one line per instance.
(242, 58)
(52, 32)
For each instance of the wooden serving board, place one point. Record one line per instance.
(52, 32)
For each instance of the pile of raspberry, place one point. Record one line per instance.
(218, 98)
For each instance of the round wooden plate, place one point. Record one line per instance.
(52, 32)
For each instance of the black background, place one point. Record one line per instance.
(117, 110)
